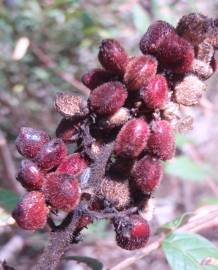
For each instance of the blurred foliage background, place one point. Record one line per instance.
(45, 47)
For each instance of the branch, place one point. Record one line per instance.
(195, 224)
(59, 242)
(49, 63)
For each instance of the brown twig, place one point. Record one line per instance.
(50, 63)
(194, 225)
(59, 242)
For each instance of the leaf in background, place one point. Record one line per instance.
(181, 140)
(209, 201)
(140, 18)
(91, 262)
(185, 168)
(8, 199)
(189, 251)
(177, 222)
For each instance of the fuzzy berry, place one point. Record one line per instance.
(67, 129)
(51, 154)
(147, 174)
(161, 142)
(116, 191)
(30, 141)
(138, 70)
(132, 138)
(194, 27)
(154, 93)
(113, 56)
(108, 98)
(156, 33)
(96, 77)
(175, 54)
(62, 191)
(189, 91)
(31, 212)
(73, 164)
(131, 232)
(117, 119)
(29, 175)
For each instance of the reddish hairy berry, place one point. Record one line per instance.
(131, 232)
(30, 141)
(62, 191)
(73, 164)
(154, 93)
(96, 77)
(175, 54)
(113, 56)
(147, 173)
(161, 142)
(194, 27)
(29, 175)
(51, 154)
(108, 98)
(138, 70)
(132, 138)
(31, 212)
(67, 129)
(156, 33)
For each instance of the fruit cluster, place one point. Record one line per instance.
(121, 133)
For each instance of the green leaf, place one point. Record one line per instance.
(177, 222)
(185, 168)
(140, 18)
(8, 199)
(91, 262)
(189, 251)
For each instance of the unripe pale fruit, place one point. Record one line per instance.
(30, 141)
(131, 232)
(51, 154)
(154, 93)
(96, 77)
(138, 70)
(31, 212)
(156, 33)
(113, 56)
(161, 142)
(29, 175)
(67, 129)
(117, 119)
(116, 191)
(189, 91)
(62, 191)
(108, 98)
(147, 174)
(70, 105)
(132, 138)
(73, 164)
